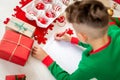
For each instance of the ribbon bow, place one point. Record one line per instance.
(21, 26)
(20, 78)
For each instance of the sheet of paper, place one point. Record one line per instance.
(65, 54)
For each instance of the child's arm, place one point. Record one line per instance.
(73, 40)
(114, 21)
(55, 69)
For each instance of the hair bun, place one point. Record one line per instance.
(98, 11)
(90, 12)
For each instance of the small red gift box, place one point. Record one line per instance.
(15, 47)
(16, 77)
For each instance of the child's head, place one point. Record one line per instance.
(89, 17)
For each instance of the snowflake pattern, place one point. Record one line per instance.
(39, 33)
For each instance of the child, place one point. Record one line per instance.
(101, 59)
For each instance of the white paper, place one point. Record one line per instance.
(65, 54)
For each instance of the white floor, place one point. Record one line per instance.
(34, 69)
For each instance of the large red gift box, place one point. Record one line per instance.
(15, 47)
(16, 77)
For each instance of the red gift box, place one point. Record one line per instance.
(16, 77)
(15, 47)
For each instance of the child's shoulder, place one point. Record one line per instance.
(114, 32)
(113, 27)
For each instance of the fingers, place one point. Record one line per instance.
(64, 37)
(38, 53)
(34, 50)
(36, 47)
(60, 34)
(33, 53)
(57, 37)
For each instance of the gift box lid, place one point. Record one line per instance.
(21, 27)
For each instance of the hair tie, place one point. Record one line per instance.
(110, 11)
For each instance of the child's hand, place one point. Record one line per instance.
(39, 53)
(62, 36)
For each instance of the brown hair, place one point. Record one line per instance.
(90, 12)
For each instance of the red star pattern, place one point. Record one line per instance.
(69, 31)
